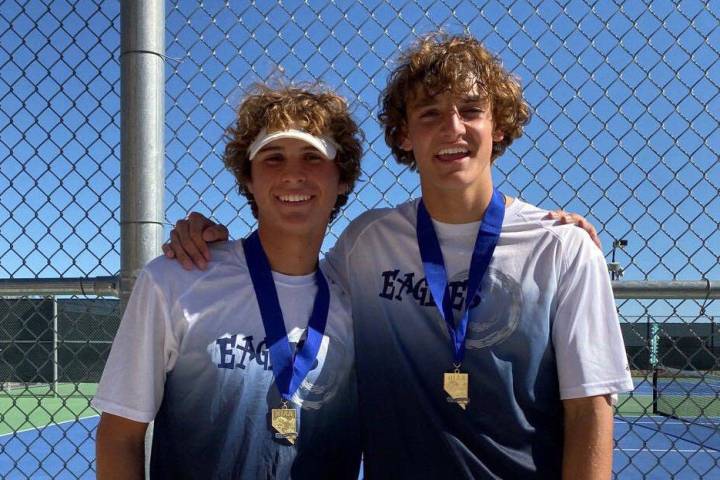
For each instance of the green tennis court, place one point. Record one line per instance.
(32, 407)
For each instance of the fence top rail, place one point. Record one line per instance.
(100, 286)
(109, 286)
(675, 289)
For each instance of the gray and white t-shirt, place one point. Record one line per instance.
(191, 354)
(543, 328)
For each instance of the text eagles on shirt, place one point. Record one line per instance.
(397, 285)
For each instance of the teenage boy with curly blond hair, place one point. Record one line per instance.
(487, 343)
(246, 367)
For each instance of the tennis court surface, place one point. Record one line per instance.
(646, 445)
(625, 131)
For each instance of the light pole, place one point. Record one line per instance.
(616, 271)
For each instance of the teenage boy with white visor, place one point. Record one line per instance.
(246, 367)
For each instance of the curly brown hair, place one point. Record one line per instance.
(310, 108)
(438, 63)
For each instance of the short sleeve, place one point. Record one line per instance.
(335, 265)
(589, 348)
(144, 347)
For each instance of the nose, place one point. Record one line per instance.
(294, 172)
(454, 124)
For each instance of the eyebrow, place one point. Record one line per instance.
(427, 101)
(474, 99)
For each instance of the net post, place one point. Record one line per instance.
(53, 299)
(655, 390)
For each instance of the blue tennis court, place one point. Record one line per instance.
(659, 447)
(655, 446)
(646, 447)
(62, 451)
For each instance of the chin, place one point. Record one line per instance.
(302, 225)
(458, 180)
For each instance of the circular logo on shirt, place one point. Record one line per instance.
(243, 358)
(495, 311)
(322, 381)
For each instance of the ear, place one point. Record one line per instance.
(498, 136)
(249, 186)
(343, 188)
(405, 143)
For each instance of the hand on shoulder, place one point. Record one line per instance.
(567, 218)
(189, 240)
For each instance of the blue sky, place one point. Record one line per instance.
(626, 124)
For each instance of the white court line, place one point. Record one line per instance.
(663, 450)
(48, 425)
(651, 422)
(668, 422)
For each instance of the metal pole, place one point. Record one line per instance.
(142, 81)
(99, 286)
(142, 89)
(680, 289)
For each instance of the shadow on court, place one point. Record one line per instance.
(646, 447)
(652, 447)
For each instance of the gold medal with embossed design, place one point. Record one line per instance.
(284, 421)
(456, 386)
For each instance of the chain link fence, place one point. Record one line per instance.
(59, 218)
(625, 130)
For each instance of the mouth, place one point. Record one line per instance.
(452, 154)
(294, 198)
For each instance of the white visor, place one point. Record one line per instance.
(324, 145)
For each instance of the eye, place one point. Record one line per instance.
(472, 112)
(429, 113)
(314, 157)
(272, 159)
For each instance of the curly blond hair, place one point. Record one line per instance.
(309, 108)
(439, 63)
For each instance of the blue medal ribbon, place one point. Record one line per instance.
(436, 275)
(289, 370)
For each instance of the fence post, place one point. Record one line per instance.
(142, 174)
(142, 87)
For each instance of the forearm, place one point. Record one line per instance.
(588, 447)
(120, 454)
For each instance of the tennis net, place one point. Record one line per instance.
(689, 395)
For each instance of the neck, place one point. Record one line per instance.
(458, 206)
(290, 254)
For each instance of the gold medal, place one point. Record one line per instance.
(284, 421)
(456, 386)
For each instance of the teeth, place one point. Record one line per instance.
(453, 150)
(294, 198)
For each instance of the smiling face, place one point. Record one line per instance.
(294, 186)
(439, 63)
(451, 138)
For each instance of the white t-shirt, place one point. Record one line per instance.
(543, 328)
(191, 354)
